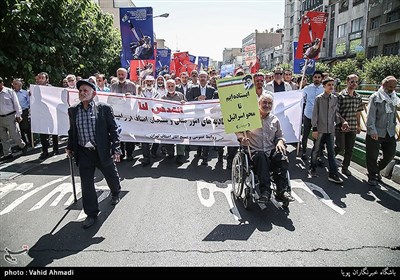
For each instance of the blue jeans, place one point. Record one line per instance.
(327, 138)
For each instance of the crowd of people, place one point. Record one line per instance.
(333, 117)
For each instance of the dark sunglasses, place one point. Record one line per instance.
(278, 74)
(354, 82)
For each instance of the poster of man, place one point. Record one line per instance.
(311, 34)
(137, 33)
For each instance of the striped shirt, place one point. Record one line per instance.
(348, 106)
(86, 124)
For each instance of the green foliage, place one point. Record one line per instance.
(380, 67)
(344, 68)
(319, 66)
(57, 37)
(286, 66)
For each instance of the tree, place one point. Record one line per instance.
(286, 66)
(319, 66)
(57, 37)
(344, 68)
(380, 67)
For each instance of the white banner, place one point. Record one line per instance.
(156, 120)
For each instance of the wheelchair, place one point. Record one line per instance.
(245, 185)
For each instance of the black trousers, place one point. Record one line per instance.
(88, 161)
(278, 163)
(388, 146)
(25, 127)
(146, 150)
(345, 143)
(44, 140)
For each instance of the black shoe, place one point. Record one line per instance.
(204, 162)
(130, 158)
(197, 155)
(44, 155)
(304, 157)
(154, 155)
(89, 221)
(335, 179)
(25, 150)
(265, 197)
(170, 156)
(220, 158)
(372, 182)
(7, 157)
(115, 200)
(55, 152)
(312, 172)
(180, 160)
(320, 162)
(285, 196)
(145, 163)
(379, 177)
(229, 165)
(346, 172)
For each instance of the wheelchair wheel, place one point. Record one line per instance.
(238, 175)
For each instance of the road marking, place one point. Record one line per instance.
(309, 187)
(21, 199)
(212, 188)
(106, 192)
(7, 188)
(62, 189)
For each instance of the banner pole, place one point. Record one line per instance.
(301, 85)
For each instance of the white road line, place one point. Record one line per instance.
(7, 188)
(31, 193)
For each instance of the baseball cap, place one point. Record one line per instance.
(85, 82)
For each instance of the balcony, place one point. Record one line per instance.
(390, 27)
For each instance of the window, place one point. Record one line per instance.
(343, 5)
(291, 20)
(392, 16)
(292, 7)
(372, 51)
(357, 24)
(356, 2)
(291, 32)
(374, 22)
(341, 30)
(391, 49)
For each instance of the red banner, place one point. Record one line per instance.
(141, 68)
(182, 62)
(311, 34)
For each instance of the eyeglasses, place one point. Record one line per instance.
(278, 74)
(354, 82)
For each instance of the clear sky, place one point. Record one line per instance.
(206, 27)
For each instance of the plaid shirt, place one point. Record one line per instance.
(348, 107)
(86, 123)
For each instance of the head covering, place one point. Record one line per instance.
(85, 82)
(240, 70)
(149, 78)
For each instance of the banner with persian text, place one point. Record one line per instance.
(155, 120)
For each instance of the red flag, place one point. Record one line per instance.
(311, 34)
(182, 62)
(254, 69)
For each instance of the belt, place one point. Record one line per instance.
(88, 148)
(7, 114)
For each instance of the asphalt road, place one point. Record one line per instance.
(184, 215)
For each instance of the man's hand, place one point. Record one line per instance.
(69, 153)
(117, 157)
(345, 126)
(201, 98)
(244, 141)
(375, 137)
(280, 147)
(18, 119)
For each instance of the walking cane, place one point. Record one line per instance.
(71, 168)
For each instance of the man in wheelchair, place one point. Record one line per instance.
(268, 152)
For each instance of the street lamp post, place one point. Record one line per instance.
(162, 15)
